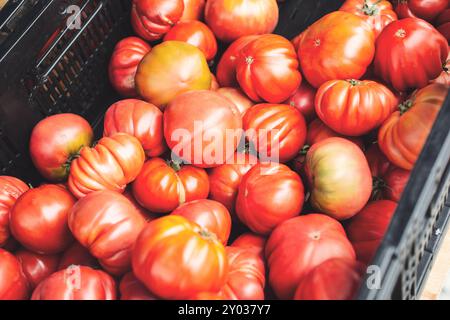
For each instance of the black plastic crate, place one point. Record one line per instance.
(47, 67)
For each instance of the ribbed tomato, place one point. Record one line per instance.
(162, 186)
(139, 119)
(251, 241)
(37, 267)
(193, 10)
(14, 284)
(107, 223)
(125, 59)
(176, 259)
(299, 245)
(423, 9)
(131, 288)
(319, 131)
(443, 24)
(267, 69)
(113, 163)
(77, 255)
(303, 99)
(235, 95)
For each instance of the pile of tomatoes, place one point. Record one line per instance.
(350, 102)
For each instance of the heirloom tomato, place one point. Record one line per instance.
(319, 131)
(77, 255)
(251, 241)
(131, 288)
(443, 24)
(37, 267)
(395, 181)
(235, 95)
(423, 9)
(14, 284)
(303, 100)
(444, 77)
(193, 10)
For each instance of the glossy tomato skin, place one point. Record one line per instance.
(176, 259)
(268, 195)
(377, 13)
(324, 48)
(197, 34)
(378, 163)
(161, 187)
(353, 107)
(54, 142)
(196, 125)
(395, 180)
(279, 131)
(113, 163)
(327, 162)
(107, 223)
(402, 136)
(10, 190)
(410, 53)
(14, 284)
(38, 220)
(170, 69)
(367, 229)
(443, 24)
(76, 283)
(334, 279)
(193, 10)
(151, 19)
(139, 119)
(319, 131)
(260, 78)
(251, 241)
(235, 95)
(303, 99)
(209, 215)
(77, 255)
(37, 267)
(131, 288)
(231, 19)
(423, 9)
(125, 59)
(300, 244)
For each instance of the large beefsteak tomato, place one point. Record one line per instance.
(251, 241)
(235, 95)
(14, 284)
(77, 255)
(423, 9)
(37, 267)
(131, 288)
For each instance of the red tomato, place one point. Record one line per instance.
(395, 182)
(423, 9)
(132, 289)
(203, 128)
(37, 267)
(378, 13)
(404, 133)
(318, 131)
(214, 84)
(10, 190)
(143, 212)
(367, 229)
(303, 100)
(209, 215)
(410, 53)
(38, 220)
(443, 24)
(56, 141)
(76, 283)
(444, 77)
(237, 97)
(334, 279)
(231, 19)
(268, 195)
(208, 296)
(224, 180)
(324, 52)
(378, 163)
(226, 69)
(251, 241)
(161, 187)
(352, 107)
(196, 33)
(107, 223)
(193, 10)
(176, 259)
(170, 69)
(300, 244)
(14, 284)
(125, 59)
(262, 79)
(151, 19)
(77, 255)
(278, 131)
(339, 177)
(139, 119)
(113, 163)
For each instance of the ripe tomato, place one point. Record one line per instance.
(334, 279)
(378, 13)
(324, 48)
(444, 77)
(56, 141)
(193, 10)
(235, 95)
(172, 68)
(231, 19)
(443, 24)
(76, 283)
(226, 69)
(300, 244)
(10, 190)
(378, 163)
(139, 119)
(268, 195)
(410, 53)
(14, 284)
(113, 163)
(107, 223)
(142, 211)
(339, 177)
(176, 259)
(367, 229)
(203, 128)
(318, 131)
(209, 215)
(125, 59)
(251, 241)
(131, 288)
(151, 19)
(77, 255)
(352, 107)
(214, 84)
(38, 220)
(395, 181)
(37, 267)
(404, 133)
(303, 99)
(423, 9)
(196, 33)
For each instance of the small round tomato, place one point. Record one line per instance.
(14, 284)
(37, 267)
(319, 131)
(131, 288)
(193, 10)
(235, 95)
(303, 100)
(77, 255)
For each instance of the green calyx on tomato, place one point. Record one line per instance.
(68, 163)
(210, 236)
(175, 164)
(304, 150)
(377, 190)
(371, 9)
(405, 106)
(354, 82)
